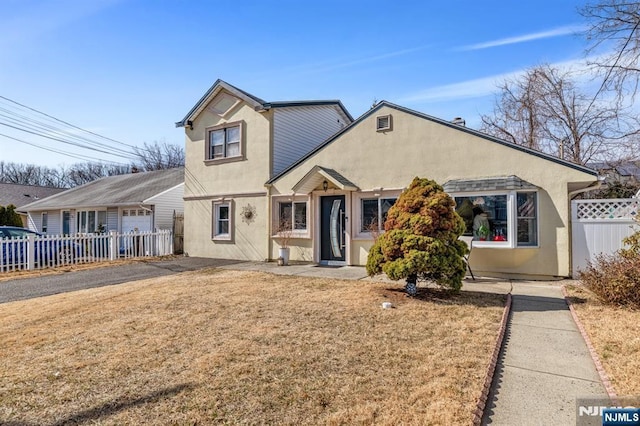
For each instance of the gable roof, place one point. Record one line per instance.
(317, 175)
(257, 103)
(20, 195)
(120, 190)
(439, 121)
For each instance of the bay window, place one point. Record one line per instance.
(508, 219)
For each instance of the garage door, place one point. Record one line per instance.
(136, 219)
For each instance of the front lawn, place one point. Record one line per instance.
(615, 335)
(245, 348)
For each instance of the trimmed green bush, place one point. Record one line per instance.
(421, 239)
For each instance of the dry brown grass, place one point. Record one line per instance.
(615, 334)
(234, 347)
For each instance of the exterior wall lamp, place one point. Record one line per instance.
(325, 185)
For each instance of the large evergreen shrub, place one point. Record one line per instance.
(421, 239)
(9, 216)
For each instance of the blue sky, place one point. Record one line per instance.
(129, 69)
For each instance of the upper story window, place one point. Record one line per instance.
(508, 219)
(224, 141)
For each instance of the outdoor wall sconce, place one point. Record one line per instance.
(325, 185)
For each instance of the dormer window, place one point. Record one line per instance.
(224, 141)
(383, 123)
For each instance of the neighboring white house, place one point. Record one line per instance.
(123, 203)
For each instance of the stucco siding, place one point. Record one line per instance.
(249, 238)
(297, 130)
(420, 147)
(247, 174)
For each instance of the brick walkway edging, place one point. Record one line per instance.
(488, 379)
(594, 355)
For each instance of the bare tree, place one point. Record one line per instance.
(545, 110)
(614, 33)
(156, 156)
(515, 116)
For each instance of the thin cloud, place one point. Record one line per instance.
(485, 86)
(334, 65)
(556, 32)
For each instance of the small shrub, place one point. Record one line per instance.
(615, 279)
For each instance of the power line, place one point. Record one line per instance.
(57, 151)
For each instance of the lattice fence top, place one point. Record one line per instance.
(626, 209)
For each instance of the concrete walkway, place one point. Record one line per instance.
(544, 365)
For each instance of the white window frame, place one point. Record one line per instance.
(85, 229)
(512, 219)
(215, 235)
(358, 199)
(225, 157)
(295, 233)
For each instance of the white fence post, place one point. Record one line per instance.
(113, 245)
(31, 252)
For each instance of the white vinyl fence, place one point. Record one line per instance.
(49, 251)
(598, 227)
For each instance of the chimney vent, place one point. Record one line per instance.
(459, 121)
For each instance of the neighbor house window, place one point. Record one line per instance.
(89, 221)
(224, 142)
(507, 220)
(292, 215)
(374, 213)
(45, 222)
(222, 220)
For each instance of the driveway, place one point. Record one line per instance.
(27, 288)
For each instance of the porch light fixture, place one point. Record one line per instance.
(325, 185)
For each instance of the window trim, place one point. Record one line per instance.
(386, 128)
(78, 214)
(357, 202)
(214, 222)
(207, 143)
(512, 218)
(295, 233)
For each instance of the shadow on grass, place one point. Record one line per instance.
(121, 404)
(447, 297)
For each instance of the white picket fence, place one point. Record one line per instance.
(599, 226)
(50, 251)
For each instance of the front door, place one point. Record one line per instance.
(332, 229)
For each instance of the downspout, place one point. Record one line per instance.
(268, 227)
(599, 185)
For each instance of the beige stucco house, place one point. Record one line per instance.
(252, 165)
